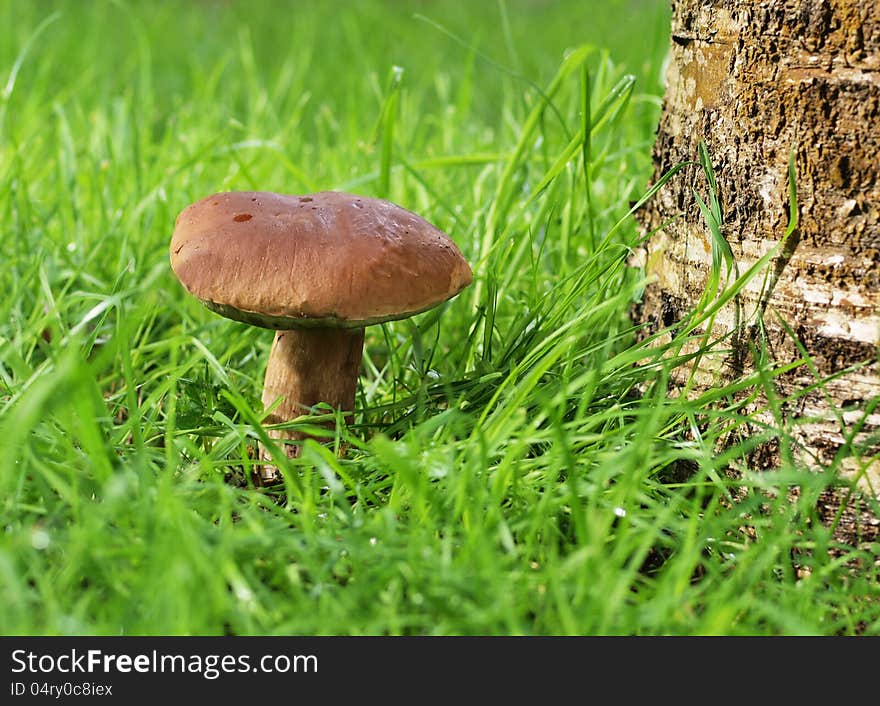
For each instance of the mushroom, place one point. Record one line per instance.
(316, 268)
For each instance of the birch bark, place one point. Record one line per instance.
(755, 79)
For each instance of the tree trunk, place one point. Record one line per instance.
(756, 79)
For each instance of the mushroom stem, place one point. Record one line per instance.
(308, 366)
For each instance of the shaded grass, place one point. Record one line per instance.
(510, 469)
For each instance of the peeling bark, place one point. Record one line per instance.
(755, 79)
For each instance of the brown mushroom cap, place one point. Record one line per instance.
(329, 259)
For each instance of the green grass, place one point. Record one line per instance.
(510, 470)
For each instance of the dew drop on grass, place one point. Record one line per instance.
(619, 512)
(40, 539)
(244, 594)
(71, 247)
